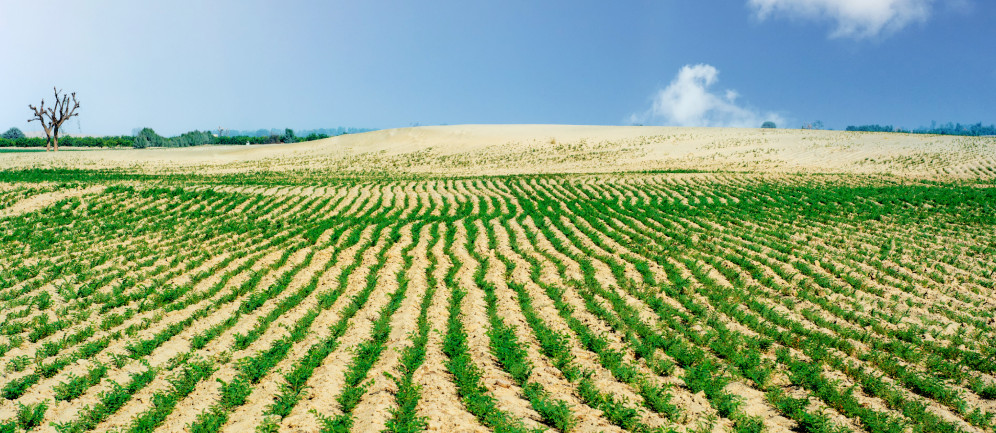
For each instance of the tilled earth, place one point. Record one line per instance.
(638, 302)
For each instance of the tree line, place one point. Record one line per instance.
(329, 132)
(65, 106)
(147, 137)
(973, 130)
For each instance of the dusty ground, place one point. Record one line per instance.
(520, 149)
(770, 245)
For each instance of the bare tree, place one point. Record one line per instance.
(40, 115)
(53, 118)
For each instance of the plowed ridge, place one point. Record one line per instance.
(639, 302)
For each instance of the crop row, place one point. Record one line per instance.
(638, 303)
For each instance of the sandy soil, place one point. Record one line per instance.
(42, 201)
(517, 149)
(937, 281)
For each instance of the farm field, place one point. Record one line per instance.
(497, 150)
(174, 294)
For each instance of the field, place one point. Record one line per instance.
(498, 150)
(578, 287)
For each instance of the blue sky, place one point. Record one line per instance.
(182, 65)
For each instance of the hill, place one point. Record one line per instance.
(532, 149)
(381, 282)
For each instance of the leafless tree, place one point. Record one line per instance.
(40, 115)
(53, 118)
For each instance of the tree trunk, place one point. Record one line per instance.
(55, 137)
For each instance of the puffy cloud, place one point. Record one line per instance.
(855, 18)
(688, 101)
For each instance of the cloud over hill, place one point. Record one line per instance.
(689, 101)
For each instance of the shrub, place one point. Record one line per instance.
(31, 415)
(147, 137)
(192, 138)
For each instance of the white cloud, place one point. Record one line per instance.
(687, 101)
(855, 18)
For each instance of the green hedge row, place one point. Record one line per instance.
(120, 141)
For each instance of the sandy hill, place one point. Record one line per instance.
(519, 149)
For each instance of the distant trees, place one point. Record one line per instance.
(815, 125)
(328, 132)
(12, 134)
(53, 118)
(769, 125)
(192, 138)
(287, 135)
(113, 141)
(251, 139)
(974, 130)
(149, 138)
(871, 128)
(141, 138)
(313, 136)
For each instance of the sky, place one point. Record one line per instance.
(181, 65)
